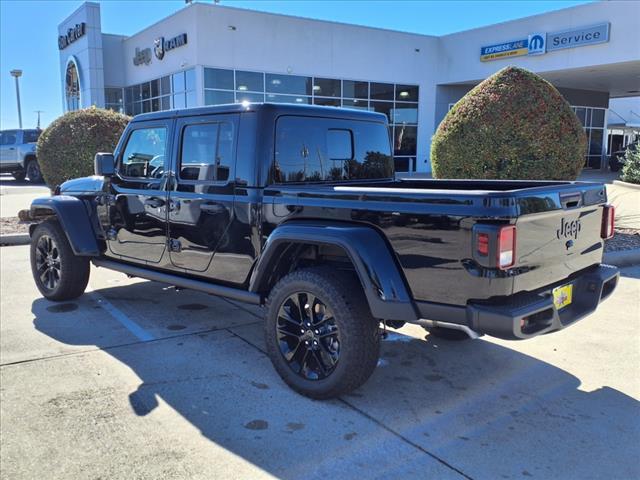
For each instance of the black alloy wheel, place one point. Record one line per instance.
(48, 262)
(319, 332)
(58, 273)
(308, 336)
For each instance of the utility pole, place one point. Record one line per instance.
(17, 74)
(39, 112)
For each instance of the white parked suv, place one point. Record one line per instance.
(18, 154)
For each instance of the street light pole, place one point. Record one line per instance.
(39, 112)
(17, 74)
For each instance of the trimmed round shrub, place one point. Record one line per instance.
(66, 148)
(631, 169)
(513, 125)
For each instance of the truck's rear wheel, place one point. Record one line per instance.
(58, 273)
(320, 335)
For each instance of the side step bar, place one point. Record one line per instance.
(178, 281)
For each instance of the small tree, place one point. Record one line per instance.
(66, 148)
(631, 169)
(513, 125)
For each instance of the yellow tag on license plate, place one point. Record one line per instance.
(562, 296)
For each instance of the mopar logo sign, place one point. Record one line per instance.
(537, 44)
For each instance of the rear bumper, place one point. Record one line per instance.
(530, 314)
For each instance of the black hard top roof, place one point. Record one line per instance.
(272, 108)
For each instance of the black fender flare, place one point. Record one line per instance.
(74, 219)
(373, 259)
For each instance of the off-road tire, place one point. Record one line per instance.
(359, 337)
(447, 334)
(19, 175)
(73, 270)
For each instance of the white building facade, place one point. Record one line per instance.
(208, 54)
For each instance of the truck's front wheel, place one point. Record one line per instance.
(320, 335)
(59, 273)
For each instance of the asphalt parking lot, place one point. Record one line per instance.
(136, 380)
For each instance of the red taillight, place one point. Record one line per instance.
(506, 247)
(483, 244)
(608, 221)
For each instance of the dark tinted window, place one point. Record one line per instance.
(8, 138)
(407, 93)
(382, 91)
(207, 152)
(289, 84)
(405, 140)
(249, 81)
(216, 97)
(144, 154)
(327, 87)
(30, 136)
(320, 149)
(218, 78)
(351, 89)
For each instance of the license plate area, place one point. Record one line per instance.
(562, 296)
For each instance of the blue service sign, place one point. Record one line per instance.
(578, 37)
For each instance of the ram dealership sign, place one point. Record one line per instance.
(160, 48)
(541, 43)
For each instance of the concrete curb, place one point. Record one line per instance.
(626, 184)
(623, 258)
(15, 239)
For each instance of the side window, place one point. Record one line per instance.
(30, 136)
(207, 152)
(8, 138)
(144, 155)
(322, 149)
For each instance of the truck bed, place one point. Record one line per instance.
(429, 225)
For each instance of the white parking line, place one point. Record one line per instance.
(139, 332)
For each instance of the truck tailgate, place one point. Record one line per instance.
(551, 245)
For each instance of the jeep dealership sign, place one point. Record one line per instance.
(160, 48)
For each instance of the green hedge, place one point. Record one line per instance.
(513, 125)
(66, 148)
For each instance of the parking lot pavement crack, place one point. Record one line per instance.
(405, 439)
(379, 423)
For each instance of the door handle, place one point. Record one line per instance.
(12, 148)
(154, 202)
(174, 205)
(207, 207)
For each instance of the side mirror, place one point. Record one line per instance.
(104, 164)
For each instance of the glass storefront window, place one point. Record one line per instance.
(597, 117)
(405, 140)
(382, 91)
(155, 88)
(218, 78)
(353, 89)
(249, 97)
(178, 82)
(165, 102)
(329, 102)
(178, 100)
(359, 104)
(407, 93)
(165, 85)
(288, 84)
(327, 87)
(249, 81)
(145, 90)
(383, 107)
(190, 80)
(405, 113)
(217, 97)
(300, 99)
(191, 99)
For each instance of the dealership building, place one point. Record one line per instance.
(208, 54)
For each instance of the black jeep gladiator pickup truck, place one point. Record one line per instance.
(296, 208)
